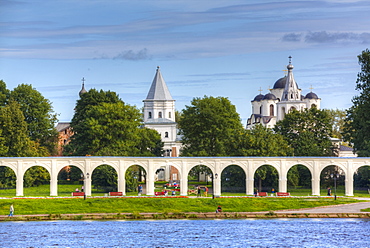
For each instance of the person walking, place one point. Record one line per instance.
(329, 191)
(11, 210)
(206, 191)
(140, 189)
(199, 192)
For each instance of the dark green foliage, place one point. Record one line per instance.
(105, 177)
(104, 125)
(357, 125)
(7, 177)
(36, 176)
(362, 177)
(15, 141)
(233, 179)
(39, 116)
(299, 175)
(208, 127)
(308, 132)
(260, 141)
(266, 177)
(327, 181)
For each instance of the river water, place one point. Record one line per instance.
(188, 233)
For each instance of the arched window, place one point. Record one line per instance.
(166, 134)
(313, 106)
(291, 109)
(261, 110)
(160, 115)
(150, 115)
(271, 110)
(169, 115)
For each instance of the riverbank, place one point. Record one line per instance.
(188, 215)
(180, 208)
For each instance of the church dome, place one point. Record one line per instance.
(269, 96)
(311, 95)
(258, 98)
(280, 83)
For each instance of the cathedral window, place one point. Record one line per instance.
(169, 115)
(261, 110)
(160, 115)
(271, 110)
(313, 106)
(150, 115)
(166, 134)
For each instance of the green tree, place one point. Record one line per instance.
(39, 116)
(105, 177)
(337, 117)
(308, 132)
(36, 176)
(15, 141)
(357, 125)
(208, 126)
(262, 142)
(4, 93)
(104, 125)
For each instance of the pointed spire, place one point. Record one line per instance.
(83, 90)
(158, 89)
(291, 91)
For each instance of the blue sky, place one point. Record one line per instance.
(224, 48)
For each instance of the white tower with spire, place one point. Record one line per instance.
(292, 96)
(159, 114)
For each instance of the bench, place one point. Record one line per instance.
(282, 194)
(78, 193)
(115, 194)
(160, 193)
(262, 194)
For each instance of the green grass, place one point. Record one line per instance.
(67, 189)
(160, 205)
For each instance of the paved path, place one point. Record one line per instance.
(343, 208)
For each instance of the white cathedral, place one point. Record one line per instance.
(283, 97)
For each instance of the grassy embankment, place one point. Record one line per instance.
(159, 205)
(65, 190)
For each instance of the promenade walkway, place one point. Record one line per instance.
(337, 209)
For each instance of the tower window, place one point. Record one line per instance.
(271, 110)
(160, 115)
(150, 115)
(166, 134)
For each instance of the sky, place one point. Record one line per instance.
(228, 48)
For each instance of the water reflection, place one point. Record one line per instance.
(188, 233)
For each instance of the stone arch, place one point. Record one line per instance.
(233, 179)
(200, 175)
(36, 175)
(8, 180)
(70, 179)
(135, 179)
(266, 178)
(361, 180)
(332, 176)
(299, 179)
(104, 178)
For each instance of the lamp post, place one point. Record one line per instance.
(335, 177)
(213, 186)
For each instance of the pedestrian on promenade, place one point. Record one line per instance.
(140, 189)
(206, 191)
(329, 191)
(11, 210)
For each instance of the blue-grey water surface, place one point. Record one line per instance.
(188, 233)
